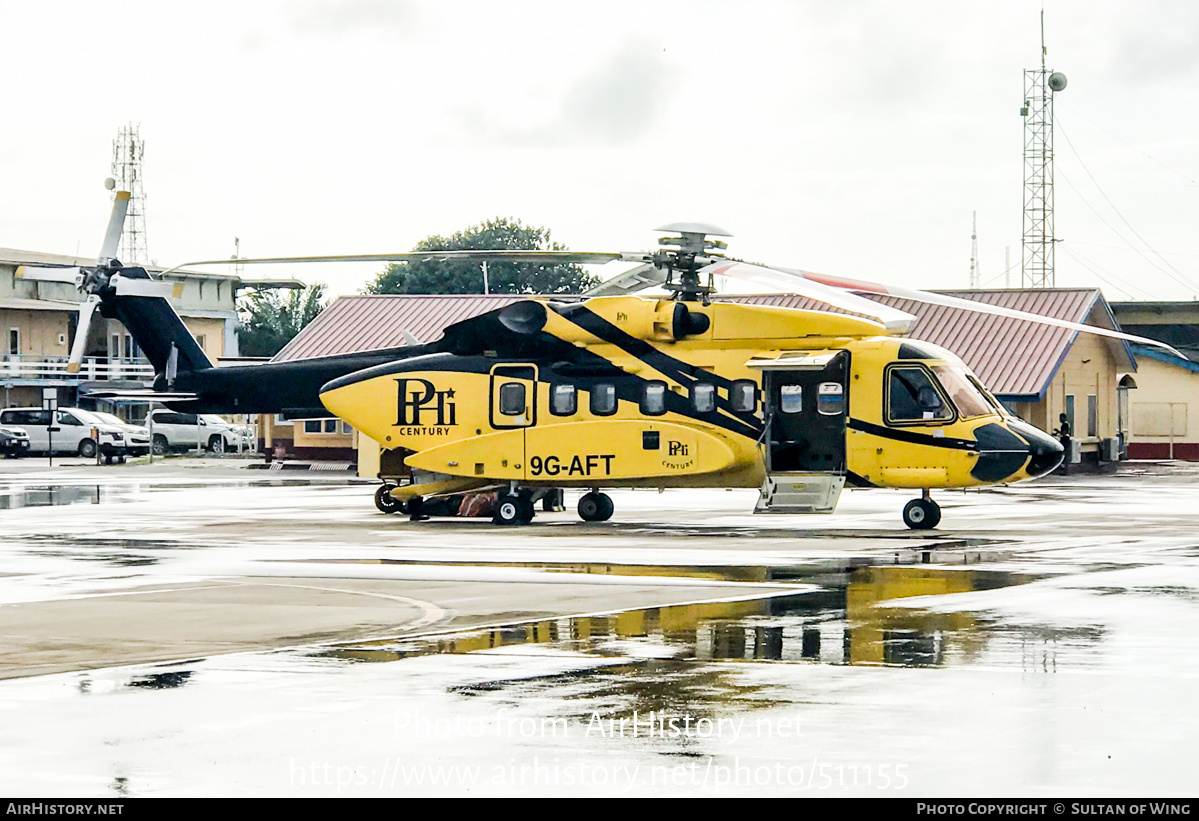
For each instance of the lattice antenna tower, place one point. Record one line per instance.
(1036, 264)
(975, 273)
(127, 152)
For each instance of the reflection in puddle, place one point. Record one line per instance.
(847, 622)
(162, 681)
(13, 497)
(53, 495)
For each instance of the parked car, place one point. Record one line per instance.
(182, 431)
(137, 437)
(72, 433)
(14, 442)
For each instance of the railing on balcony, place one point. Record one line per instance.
(92, 369)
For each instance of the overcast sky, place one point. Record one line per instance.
(851, 138)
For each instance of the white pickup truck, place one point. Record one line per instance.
(183, 431)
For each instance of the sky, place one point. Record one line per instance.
(854, 138)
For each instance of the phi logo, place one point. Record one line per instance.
(676, 448)
(418, 401)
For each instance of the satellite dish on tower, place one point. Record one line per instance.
(1057, 81)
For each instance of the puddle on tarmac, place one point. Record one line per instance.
(848, 621)
(13, 497)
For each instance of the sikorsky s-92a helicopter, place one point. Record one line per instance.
(682, 391)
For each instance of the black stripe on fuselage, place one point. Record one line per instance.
(561, 362)
(901, 435)
(684, 373)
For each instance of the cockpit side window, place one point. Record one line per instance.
(913, 397)
(968, 399)
(990, 397)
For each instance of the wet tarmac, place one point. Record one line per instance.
(195, 631)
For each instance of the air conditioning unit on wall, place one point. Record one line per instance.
(1109, 449)
(1074, 455)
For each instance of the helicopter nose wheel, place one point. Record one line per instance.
(596, 507)
(512, 509)
(922, 513)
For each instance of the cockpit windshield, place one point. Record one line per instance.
(962, 391)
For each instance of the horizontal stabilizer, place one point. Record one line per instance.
(144, 396)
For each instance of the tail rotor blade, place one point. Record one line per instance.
(116, 225)
(71, 276)
(124, 286)
(86, 309)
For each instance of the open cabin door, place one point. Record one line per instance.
(806, 400)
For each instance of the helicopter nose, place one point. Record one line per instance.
(1046, 452)
(1014, 451)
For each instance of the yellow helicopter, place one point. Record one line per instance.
(627, 391)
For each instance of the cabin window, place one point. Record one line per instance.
(1092, 415)
(512, 398)
(65, 418)
(830, 399)
(912, 396)
(14, 341)
(744, 395)
(1070, 411)
(330, 426)
(653, 398)
(703, 397)
(603, 400)
(312, 426)
(791, 398)
(564, 400)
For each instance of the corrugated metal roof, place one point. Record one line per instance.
(370, 323)
(1012, 357)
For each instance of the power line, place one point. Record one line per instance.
(1130, 145)
(1114, 230)
(1091, 266)
(1191, 285)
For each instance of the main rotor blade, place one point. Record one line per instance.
(577, 257)
(629, 282)
(930, 298)
(86, 309)
(39, 273)
(892, 319)
(116, 225)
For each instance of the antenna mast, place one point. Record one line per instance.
(127, 151)
(975, 273)
(1036, 264)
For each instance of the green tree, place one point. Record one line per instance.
(466, 277)
(269, 320)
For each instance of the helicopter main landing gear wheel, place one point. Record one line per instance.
(512, 509)
(386, 502)
(596, 507)
(922, 514)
